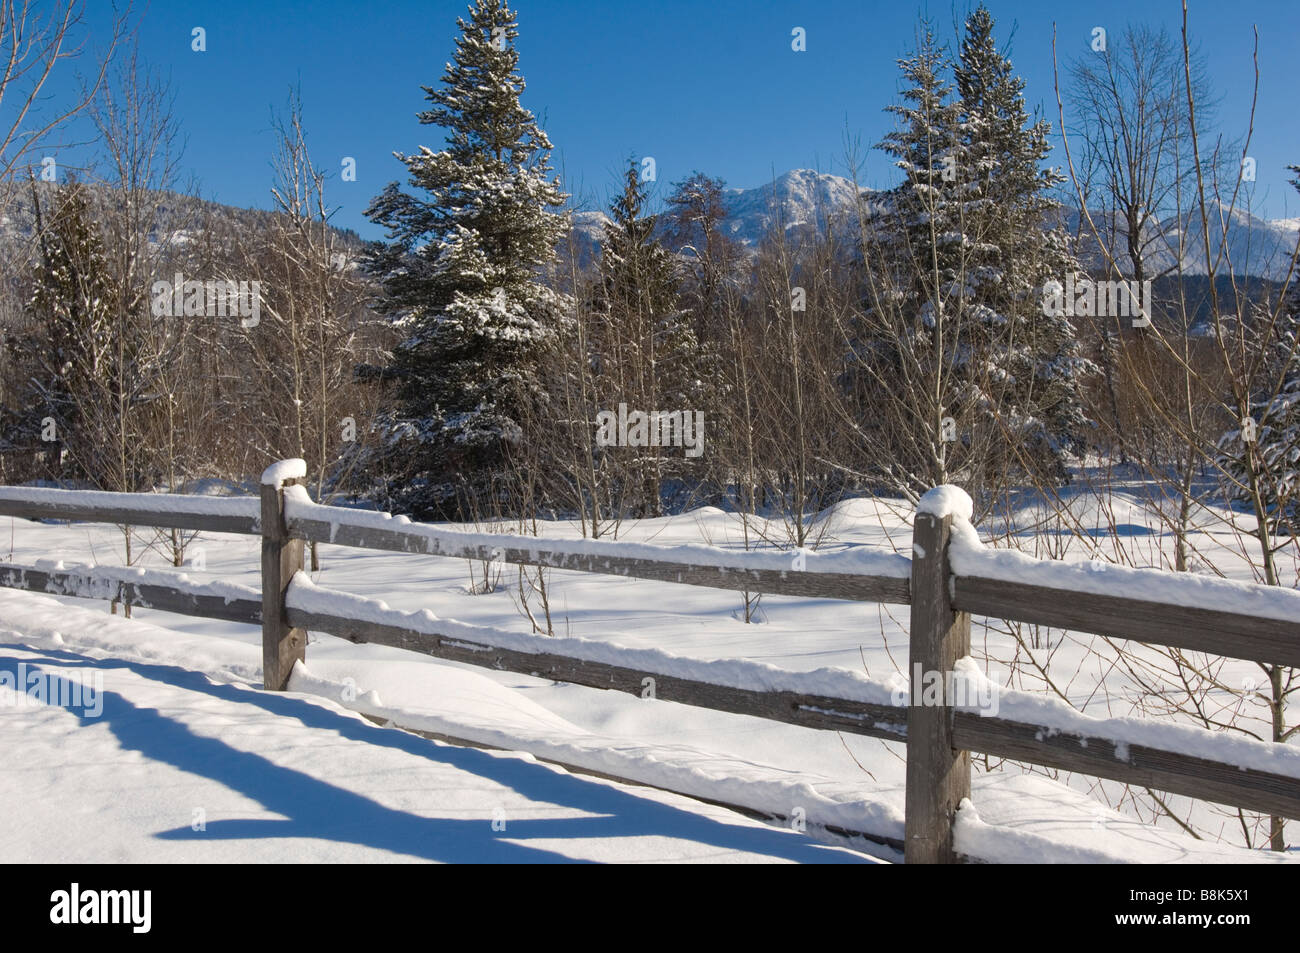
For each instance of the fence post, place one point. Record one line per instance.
(938, 776)
(282, 644)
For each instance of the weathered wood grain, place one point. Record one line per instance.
(938, 772)
(143, 595)
(810, 711)
(778, 582)
(1176, 773)
(1254, 639)
(246, 525)
(282, 642)
(941, 738)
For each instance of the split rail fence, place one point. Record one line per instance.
(939, 737)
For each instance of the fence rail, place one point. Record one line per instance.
(1192, 628)
(164, 510)
(876, 720)
(939, 736)
(714, 568)
(114, 585)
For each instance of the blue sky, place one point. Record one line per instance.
(711, 86)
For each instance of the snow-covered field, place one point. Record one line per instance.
(299, 776)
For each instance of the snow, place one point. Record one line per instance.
(294, 468)
(297, 776)
(853, 560)
(465, 710)
(968, 556)
(947, 500)
(834, 777)
(1058, 718)
(205, 505)
(972, 836)
(93, 582)
(184, 767)
(305, 595)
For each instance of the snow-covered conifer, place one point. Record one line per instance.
(462, 274)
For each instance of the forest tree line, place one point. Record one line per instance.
(468, 365)
(460, 367)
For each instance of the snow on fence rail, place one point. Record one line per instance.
(218, 514)
(951, 576)
(858, 573)
(1180, 610)
(145, 588)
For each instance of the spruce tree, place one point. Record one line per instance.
(969, 244)
(1275, 413)
(462, 275)
(647, 350)
(1273, 438)
(907, 358)
(1029, 367)
(692, 230)
(75, 365)
(926, 148)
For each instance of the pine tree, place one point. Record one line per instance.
(75, 365)
(1272, 434)
(1275, 420)
(1279, 451)
(906, 359)
(925, 146)
(1032, 367)
(968, 246)
(692, 230)
(647, 349)
(462, 278)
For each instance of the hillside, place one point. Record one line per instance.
(802, 200)
(183, 228)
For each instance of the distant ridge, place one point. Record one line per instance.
(803, 199)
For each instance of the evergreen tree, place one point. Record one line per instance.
(692, 229)
(1275, 420)
(925, 146)
(70, 350)
(462, 277)
(647, 352)
(968, 247)
(1279, 451)
(1030, 365)
(905, 363)
(1273, 438)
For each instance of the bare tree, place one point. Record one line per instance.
(142, 218)
(34, 39)
(1191, 391)
(305, 348)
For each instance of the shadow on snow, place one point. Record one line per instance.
(314, 808)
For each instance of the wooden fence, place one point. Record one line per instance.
(940, 737)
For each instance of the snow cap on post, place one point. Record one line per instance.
(947, 500)
(294, 468)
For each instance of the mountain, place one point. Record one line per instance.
(177, 221)
(585, 238)
(799, 200)
(803, 200)
(1253, 246)
(1247, 244)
